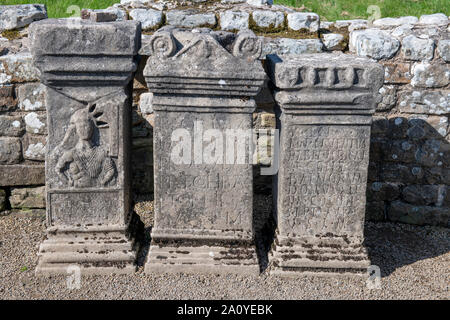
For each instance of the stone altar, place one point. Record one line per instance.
(326, 102)
(203, 102)
(87, 69)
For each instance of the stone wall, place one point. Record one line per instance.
(409, 173)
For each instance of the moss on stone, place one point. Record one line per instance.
(343, 31)
(300, 34)
(265, 30)
(12, 34)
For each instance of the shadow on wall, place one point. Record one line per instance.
(409, 172)
(142, 138)
(408, 182)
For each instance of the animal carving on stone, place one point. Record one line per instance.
(86, 164)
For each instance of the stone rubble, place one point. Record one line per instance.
(19, 16)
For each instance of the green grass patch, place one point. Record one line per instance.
(61, 8)
(329, 10)
(332, 10)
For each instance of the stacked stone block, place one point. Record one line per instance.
(410, 140)
(22, 112)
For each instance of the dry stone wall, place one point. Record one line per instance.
(409, 169)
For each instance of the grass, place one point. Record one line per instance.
(61, 8)
(329, 10)
(332, 10)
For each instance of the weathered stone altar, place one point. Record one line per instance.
(202, 95)
(87, 69)
(326, 105)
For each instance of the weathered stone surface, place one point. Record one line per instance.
(203, 196)
(2, 200)
(373, 43)
(333, 41)
(87, 162)
(21, 175)
(286, 46)
(145, 103)
(34, 147)
(17, 68)
(11, 126)
(28, 198)
(263, 153)
(423, 101)
(421, 194)
(112, 39)
(389, 98)
(36, 123)
(268, 19)
(394, 22)
(349, 23)
(10, 150)
(18, 16)
(430, 75)
(444, 49)
(403, 31)
(234, 20)
(149, 18)
(414, 48)
(190, 19)
(7, 98)
(397, 72)
(31, 97)
(305, 21)
(419, 215)
(104, 15)
(259, 3)
(268, 120)
(437, 18)
(326, 105)
(439, 124)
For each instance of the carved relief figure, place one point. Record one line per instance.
(87, 164)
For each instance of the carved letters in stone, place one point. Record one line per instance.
(326, 104)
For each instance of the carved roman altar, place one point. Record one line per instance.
(203, 98)
(326, 105)
(87, 69)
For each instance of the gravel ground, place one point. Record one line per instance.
(414, 261)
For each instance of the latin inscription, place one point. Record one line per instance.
(201, 196)
(324, 178)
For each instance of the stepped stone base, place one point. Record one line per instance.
(197, 257)
(333, 256)
(95, 250)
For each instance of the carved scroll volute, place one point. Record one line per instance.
(162, 44)
(247, 45)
